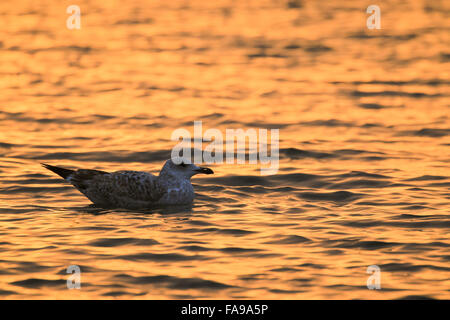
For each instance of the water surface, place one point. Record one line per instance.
(364, 148)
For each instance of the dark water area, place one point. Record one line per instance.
(363, 176)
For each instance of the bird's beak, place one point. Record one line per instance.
(204, 170)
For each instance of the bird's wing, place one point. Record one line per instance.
(100, 186)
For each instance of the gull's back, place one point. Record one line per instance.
(125, 189)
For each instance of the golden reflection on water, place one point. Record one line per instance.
(346, 100)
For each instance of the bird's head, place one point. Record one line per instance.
(183, 168)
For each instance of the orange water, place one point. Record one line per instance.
(364, 148)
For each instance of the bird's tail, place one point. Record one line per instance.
(59, 171)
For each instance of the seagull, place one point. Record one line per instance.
(135, 189)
